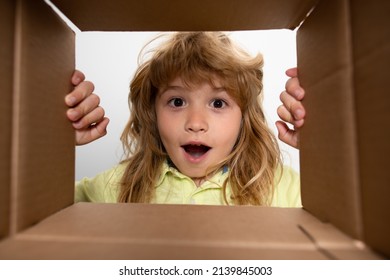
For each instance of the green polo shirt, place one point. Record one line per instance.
(174, 187)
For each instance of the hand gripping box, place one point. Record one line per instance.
(343, 53)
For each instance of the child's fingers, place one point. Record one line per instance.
(292, 110)
(292, 72)
(79, 93)
(85, 113)
(77, 77)
(93, 117)
(294, 106)
(286, 116)
(287, 135)
(92, 133)
(294, 88)
(83, 108)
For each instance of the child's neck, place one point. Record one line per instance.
(199, 181)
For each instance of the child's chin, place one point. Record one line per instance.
(199, 174)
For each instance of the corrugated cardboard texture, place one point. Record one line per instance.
(42, 175)
(122, 250)
(328, 153)
(131, 231)
(371, 40)
(6, 73)
(344, 150)
(178, 15)
(345, 147)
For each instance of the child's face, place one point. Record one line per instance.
(198, 126)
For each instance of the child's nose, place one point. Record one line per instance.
(196, 121)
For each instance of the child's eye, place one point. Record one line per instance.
(176, 102)
(218, 103)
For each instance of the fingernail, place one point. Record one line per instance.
(77, 125)
(73, 114)
(298, 93)
(70, 100)
(299, 123)
(298, 114)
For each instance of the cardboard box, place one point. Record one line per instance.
(139, 231)
(343, 65)
(343, 53)
(6, 66)
(38, 140)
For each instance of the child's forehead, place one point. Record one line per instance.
(192, 82)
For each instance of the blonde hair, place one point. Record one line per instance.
(194, 56)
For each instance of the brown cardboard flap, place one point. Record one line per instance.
(371, 40)
(177, 15)
(147, 231)
(176, 223)
(120, 250)
(43, 140)
(343, 55)
(7, 13)
(328, 154)
(343, 66)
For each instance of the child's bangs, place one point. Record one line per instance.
(207, 57)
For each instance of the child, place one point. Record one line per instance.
(197, 132)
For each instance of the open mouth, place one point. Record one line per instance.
(196, 151)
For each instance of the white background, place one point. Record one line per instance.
(281, 270)
(109, 60)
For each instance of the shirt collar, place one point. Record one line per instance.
(169, 169)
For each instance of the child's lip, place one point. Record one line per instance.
(196, 143)
(193, 143)
(195, 151)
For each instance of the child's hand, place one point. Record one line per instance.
(292, 110)
(84, 112)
